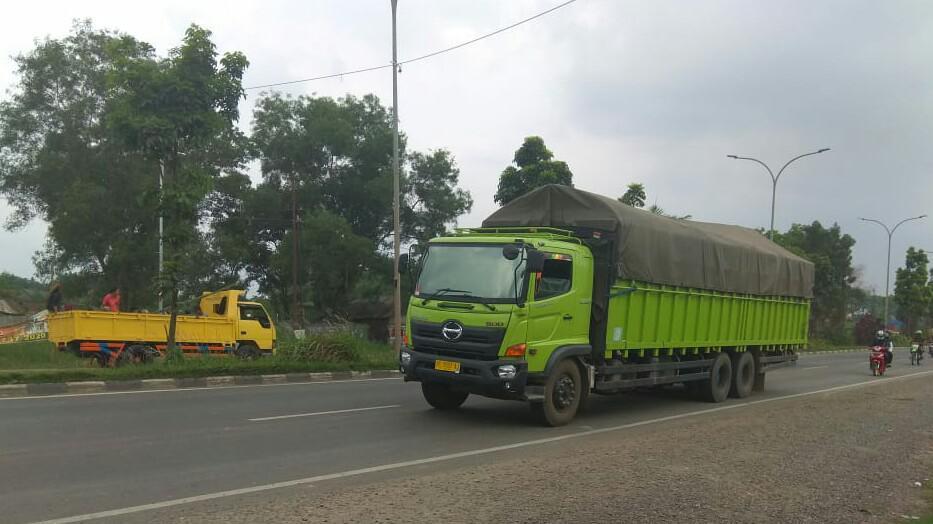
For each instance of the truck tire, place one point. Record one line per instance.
(126, 357)
(247, 351)
(716, 387)
(563, 392)
(743, 374)
(440, 396)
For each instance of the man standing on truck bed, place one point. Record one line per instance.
(54, 302)
(111, 301)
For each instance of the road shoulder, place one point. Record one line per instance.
(847, 456)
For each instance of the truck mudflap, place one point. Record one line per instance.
(478, 377)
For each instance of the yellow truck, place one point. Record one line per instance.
(227, 324)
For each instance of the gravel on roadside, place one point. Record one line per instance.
(848, 456)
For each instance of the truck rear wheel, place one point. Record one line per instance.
(716, 387)
(134, 354)
(563, 392)
(440, 396)
(743, 374)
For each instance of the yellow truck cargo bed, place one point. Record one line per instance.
(90, 326)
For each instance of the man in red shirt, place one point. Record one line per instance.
(111, 300)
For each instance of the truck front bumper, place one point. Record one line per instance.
(478, 377)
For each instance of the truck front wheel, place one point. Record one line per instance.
(563, 391)
(247, 351)
(440, 396)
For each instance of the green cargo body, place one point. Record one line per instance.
(651, 319)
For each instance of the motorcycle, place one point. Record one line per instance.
(916, 354)
(876, 360)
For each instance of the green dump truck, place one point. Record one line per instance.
(563, 293)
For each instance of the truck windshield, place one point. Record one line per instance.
(461, 271)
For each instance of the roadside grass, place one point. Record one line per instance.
(34, 362)
(37, 355)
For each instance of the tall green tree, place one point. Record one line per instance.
(181, 111)
(830, 250)
(59, 162)
(534, 167)
(432, 197)
(634, 195)
(325, 159)
(912, 290)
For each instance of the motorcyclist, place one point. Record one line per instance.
(883, 339)
(917, 339)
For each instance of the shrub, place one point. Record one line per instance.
(338, 345)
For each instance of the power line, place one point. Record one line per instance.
(416, 59)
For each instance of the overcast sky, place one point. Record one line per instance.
(656, 92)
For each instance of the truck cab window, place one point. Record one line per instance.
(255, 313)
(555, 279)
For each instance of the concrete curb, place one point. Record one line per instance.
(96, 386)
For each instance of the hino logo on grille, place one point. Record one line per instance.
(452, 331)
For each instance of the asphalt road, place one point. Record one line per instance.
(136, 454)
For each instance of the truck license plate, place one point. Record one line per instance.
(446, 365)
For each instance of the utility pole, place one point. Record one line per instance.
(887, 274)
(397, 299)
(297, 316)
(774, 179)
(161, 231)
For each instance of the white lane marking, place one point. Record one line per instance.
(335, 412)
(451, 456)
(812, 367)
(206, 388)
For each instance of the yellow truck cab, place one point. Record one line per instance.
(225, 324)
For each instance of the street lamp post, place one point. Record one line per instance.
(775, 178)
(397, 299)
(887, 274)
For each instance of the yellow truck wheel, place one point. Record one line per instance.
(247, 351)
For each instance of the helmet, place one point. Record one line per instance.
(880, 333)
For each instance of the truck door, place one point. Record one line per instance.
(555, 315)
(254, 325)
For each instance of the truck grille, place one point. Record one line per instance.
(475, 342)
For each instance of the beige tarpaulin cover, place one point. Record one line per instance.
(664, 250)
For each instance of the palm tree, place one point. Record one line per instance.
(634, 196)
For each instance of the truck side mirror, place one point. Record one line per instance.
(535, 262)
(511, 252)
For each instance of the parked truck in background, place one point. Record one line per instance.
(563, 293)
(227, 324)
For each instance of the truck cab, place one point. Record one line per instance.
(492, 310)
(255, 333)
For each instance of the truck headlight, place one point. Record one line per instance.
(405, 358)
(507, 372)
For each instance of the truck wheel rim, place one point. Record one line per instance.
(564, 392)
